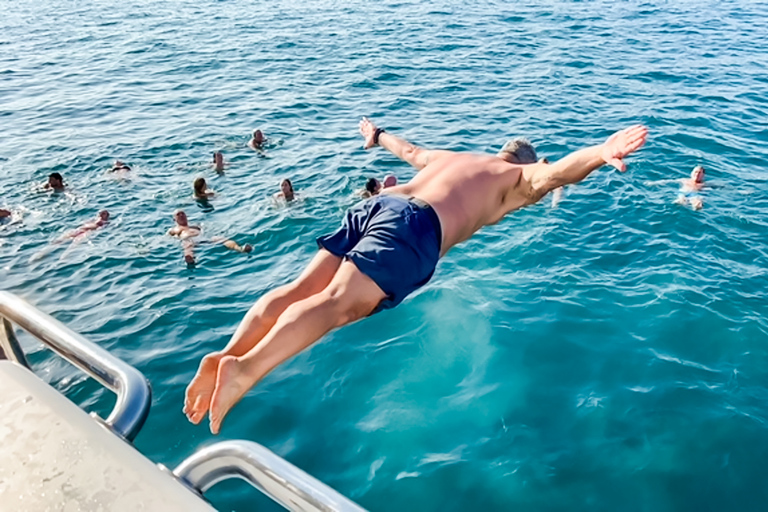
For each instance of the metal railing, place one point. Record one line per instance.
(130, 386)
(271, 474)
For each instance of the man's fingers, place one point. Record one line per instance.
(618, 164)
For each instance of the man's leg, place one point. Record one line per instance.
(231, 244)
(351, 295)
(257, 322)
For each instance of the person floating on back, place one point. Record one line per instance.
(100, 221)
(187, 233)
(387, 247)
(690, 188)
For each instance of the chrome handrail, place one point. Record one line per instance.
(271, 474)
(130, 386)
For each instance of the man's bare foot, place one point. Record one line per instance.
(189, 259)
(231, 385)
(200, 390)
(697, 204)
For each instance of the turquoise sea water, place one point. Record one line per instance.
(607, 354)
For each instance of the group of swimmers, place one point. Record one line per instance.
(182, 229)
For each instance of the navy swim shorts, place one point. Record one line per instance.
(393, 239)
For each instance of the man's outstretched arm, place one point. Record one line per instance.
(401, 148)
(579, 164)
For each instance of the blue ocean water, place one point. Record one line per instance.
(606, 354)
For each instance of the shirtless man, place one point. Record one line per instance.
(387, 247)
(186, 233)
(690, 188)
(55, 182)
(218, 162)
(257, 141)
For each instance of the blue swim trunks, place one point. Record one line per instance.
(393, 239)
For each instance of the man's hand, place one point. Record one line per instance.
(621, 144)
(367, 130)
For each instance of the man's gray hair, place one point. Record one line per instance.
(521, 150)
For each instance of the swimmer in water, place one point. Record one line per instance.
(201, 190)
(101, 220)
(55, 182)
(186, 233)
(218, 162)
(386, 248)
(690, 188)
(257, 141)
(119, 166)
(286, 191)
(374, 186)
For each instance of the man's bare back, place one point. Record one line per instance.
(469, 191)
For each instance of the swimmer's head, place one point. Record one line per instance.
(286, 187)
(118, 163)
(697, 174)
(55, 180)
(218, 157)
(4, 213)
(518, 151)
(180, 217)
(199, 186)
(104, 215)
(390, 180)
(258, 137)
(373, 186)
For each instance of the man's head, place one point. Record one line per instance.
(218, 158)
(390, 180)
(4, 213)
(258, 137)
(55, 181)
(518, 151)
(180, 217)
(104, 215)
(286, 187)
(373, 186)
(697, 174)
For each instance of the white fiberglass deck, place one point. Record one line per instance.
(54, 457)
